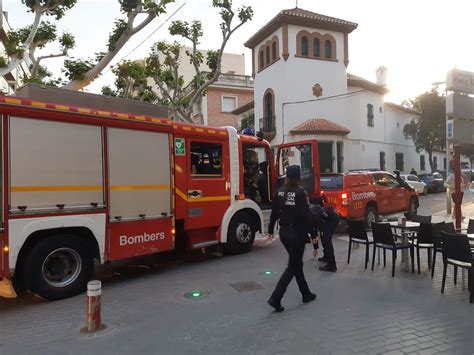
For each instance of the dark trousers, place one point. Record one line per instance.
(294, 244)
(326, 240)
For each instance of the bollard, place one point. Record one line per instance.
(94, 305)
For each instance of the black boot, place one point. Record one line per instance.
(276, 305)
(309, 297)
(328, 267)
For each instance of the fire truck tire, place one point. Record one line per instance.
(371, 215)
(240, 235)
(58, 267)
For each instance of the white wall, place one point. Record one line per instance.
(293, 80)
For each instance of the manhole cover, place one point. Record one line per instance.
(247, 286)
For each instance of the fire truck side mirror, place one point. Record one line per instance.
(260, 135)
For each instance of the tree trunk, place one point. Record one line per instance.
(430, 159)
(92, 74)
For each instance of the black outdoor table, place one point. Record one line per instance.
(407, 229)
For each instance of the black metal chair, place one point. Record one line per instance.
(448, 227)
(384, 239)
(436, 229)
(421, 219)
(358, 234)
(458, 252)
(424, 240)
(470, 227)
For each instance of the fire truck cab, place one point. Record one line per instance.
(82, 184)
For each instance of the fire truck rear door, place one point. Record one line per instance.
(305, 154)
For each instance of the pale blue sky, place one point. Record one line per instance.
(417, 40)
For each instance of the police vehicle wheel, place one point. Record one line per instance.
(371, 215)
(240, 235)
(58, 267)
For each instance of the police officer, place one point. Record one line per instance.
(327, 228)
(290, 207)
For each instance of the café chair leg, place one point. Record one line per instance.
(434, 263)
(349, 252)
(418, 259)
(445, 268)
(455, 275)
(366, 255)
(373, 257)
(412, 254)
(394, 258)
(384, 258)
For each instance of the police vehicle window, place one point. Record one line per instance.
(332, 182)
(391, 181)
(301, 155)
(206, 160)
(380, 179)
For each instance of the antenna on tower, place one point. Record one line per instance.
(296, 3)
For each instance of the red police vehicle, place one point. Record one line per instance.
(368, 195)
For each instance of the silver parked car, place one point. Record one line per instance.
(416, 183)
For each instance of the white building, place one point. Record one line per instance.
(303, 91)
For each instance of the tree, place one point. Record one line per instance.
(131, 82)
(164, 61)
(248, 121)
(22, 44)
(82, 72)
(428, 132)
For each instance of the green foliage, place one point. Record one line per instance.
(3, 62)
(429, 131)
(56, 8)
(120, 28)
(44, 77)
(67, 41)
(248, 121)
(75, 69)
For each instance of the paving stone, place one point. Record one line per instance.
(356, 311)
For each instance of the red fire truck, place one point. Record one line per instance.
(82, 184)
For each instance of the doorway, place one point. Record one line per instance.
(325, 157)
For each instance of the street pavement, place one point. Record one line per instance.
(357, 310)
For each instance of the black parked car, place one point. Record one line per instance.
(434, 181)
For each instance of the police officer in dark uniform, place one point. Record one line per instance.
(290, 206)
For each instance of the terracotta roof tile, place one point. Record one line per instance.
(300, 17)
(320, 126)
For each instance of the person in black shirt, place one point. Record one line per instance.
(291, 207)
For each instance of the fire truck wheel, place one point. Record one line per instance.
(371, 215)
(240, 235)
(58, 267)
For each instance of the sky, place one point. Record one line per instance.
(417, 40)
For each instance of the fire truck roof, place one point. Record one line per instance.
(177, 126)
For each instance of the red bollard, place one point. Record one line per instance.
(94, 305)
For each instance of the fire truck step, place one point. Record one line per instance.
(201, 245)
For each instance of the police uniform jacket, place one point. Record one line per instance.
(291, 207)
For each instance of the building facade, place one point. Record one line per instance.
(303, 91)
